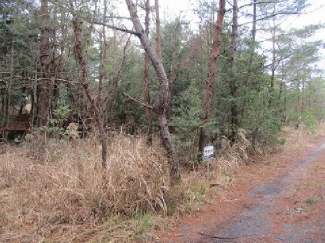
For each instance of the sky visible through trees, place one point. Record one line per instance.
(312, 15)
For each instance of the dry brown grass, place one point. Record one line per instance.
(69, 198)
(298, 138)
(228, 159)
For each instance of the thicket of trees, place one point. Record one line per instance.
(82, 62)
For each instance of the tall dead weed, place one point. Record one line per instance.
(70, 194)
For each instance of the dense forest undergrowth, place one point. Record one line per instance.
(110, 108)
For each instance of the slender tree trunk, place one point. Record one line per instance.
(103, 61)
(160, 107)
(273, 50)
(57, 84)
(280, 91)
(233, 84)
(204, 132)
(147, 80)
(34, 98)
(282, 87)
(252, 53)
(8, 88)
(303, 96)
(234, 30)
(117, 77)
(172, 74)
(3, 112)
(53, 72)
(158, 37)
(251, 57)
(44, 92)
(84, 78)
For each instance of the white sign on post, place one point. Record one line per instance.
(208, 153)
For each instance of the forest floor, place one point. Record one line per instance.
(280, 198)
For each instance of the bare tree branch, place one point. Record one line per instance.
(139, 101)
(115, 27)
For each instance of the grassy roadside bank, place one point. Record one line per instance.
(68, 198)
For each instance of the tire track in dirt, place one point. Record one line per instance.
(255, 224)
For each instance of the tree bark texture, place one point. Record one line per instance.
(161, 105)
(57, 84)
(233, 84)
(204, 132)
(44, 87)
(147, 80)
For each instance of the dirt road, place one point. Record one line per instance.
(281, 199)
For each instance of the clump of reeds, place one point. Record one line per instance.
(230, 156)
(69, 192)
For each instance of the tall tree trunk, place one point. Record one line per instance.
(34, 98)
(233, 84)
(204, 132)
(161, 105)
(57, 83)
(282, 87)
(252, 53)
(84, 79)
(147, 80)
(44, 91)
(53, 72)
(234, 31)
(158, 34)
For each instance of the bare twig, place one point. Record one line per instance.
(139, 101)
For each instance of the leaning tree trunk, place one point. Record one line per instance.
(204, 131)
(161, 105)
(84, 78)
